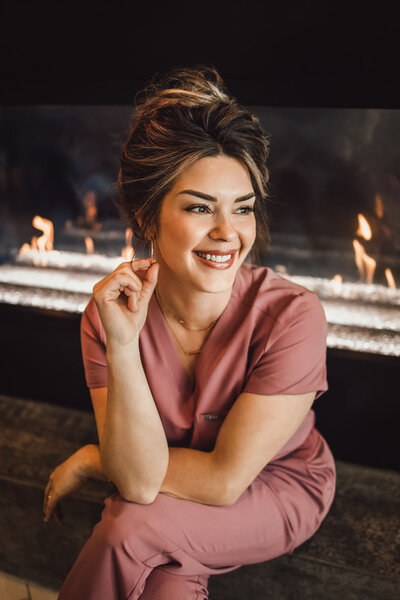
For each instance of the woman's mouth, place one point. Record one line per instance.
(216, 261)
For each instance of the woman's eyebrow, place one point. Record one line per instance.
(211, 198)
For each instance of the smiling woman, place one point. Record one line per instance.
(190, 237)
(181, 118)
(202, 367)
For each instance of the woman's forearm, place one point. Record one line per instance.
(191, 474)
(194, 475)
(91, 463)
(133, 445)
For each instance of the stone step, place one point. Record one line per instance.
(354, 554)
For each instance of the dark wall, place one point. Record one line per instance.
(272, 53)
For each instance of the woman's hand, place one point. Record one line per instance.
(122, 299)
(67, 478)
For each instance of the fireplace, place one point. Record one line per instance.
(334, 210)
(334, 216)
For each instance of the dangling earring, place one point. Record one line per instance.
(151, 249)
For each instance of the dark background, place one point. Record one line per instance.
(271, 53)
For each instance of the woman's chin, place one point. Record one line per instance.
(217, 285)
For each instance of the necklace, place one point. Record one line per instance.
(181, 322)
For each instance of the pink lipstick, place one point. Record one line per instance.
(217, 265)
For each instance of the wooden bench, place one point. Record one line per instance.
(354, 554)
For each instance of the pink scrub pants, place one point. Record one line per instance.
(168, 549)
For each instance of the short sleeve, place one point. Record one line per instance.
(293, 360)
(93, 345)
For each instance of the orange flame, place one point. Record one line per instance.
(378, 206)
(365, 264)
(89, 245)
(24, 248)
(89, 202)
(364, 229)
(337, 281)
(128, 251)
(45, 241)
(390, 279)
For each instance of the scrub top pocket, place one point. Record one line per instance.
(208, 425)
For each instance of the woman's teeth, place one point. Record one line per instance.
(215, 258)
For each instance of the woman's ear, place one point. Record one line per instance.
(151, 231)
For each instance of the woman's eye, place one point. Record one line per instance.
(202, 208)
(246, 209)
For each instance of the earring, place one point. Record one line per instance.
(151, 249)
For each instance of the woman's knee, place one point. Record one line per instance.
(126, 524)
(164, 585)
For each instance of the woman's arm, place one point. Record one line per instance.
(70, 476)
(133, 445)
(253, 432)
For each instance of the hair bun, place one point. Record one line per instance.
(191, 87)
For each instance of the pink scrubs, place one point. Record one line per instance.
(270, 339)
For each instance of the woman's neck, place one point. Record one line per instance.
(197, 309)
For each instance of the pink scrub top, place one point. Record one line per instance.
(269, 340)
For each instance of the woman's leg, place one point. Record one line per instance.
(282, 508)
(163, 585)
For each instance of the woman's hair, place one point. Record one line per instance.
(179, 118)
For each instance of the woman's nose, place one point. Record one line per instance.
(223, 230)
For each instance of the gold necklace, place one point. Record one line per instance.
(182, 323)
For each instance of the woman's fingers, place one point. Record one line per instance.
(47, 493)
(138, 267)
(128, 275)
(117, 283)
(122, 298)
(50, 504)
(132, 303)
(147, 279)
(53, 510)
(141, 264)
(150, 282)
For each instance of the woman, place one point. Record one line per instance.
(202, 367)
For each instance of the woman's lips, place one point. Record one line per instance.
(217, 265)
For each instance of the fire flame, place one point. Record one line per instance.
(89, 201)
(390, 279)
(89, 245)
(378, 206)
(128, 251)
(43, 243)
(364, 229)
(24, 248)
(337, 281)
(365, 264)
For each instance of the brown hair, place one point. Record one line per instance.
(179, 118)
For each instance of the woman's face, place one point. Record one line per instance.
(210, 210)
